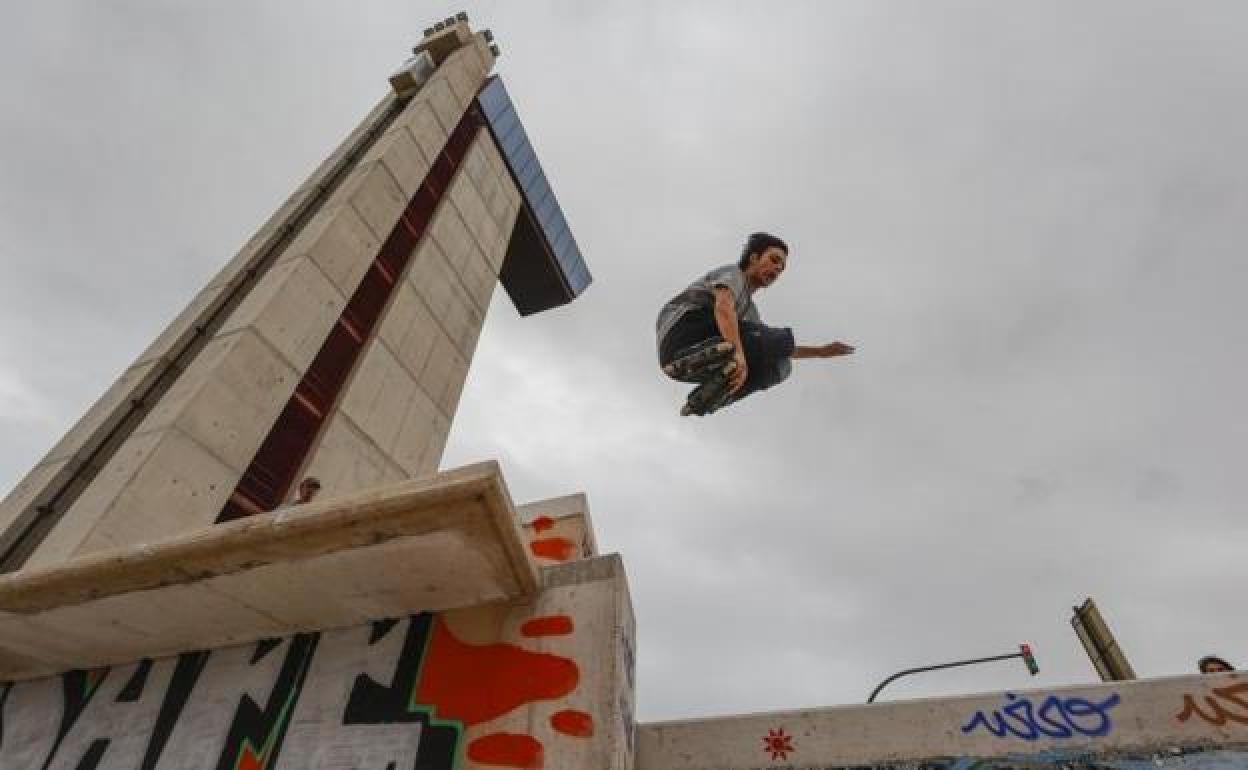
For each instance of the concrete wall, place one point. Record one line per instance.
(543, 684)
(396, 411)
(174, 470)
(1183, 722)
(558, 529)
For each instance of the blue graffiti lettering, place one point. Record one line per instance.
(1054, 718)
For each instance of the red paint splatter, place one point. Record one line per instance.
(778, 743)
(576, 723)
(508, 749)
(543, 523)
(556, 548)
(477, 683)
(550, 625)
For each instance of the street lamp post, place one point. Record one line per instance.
(1024, 652)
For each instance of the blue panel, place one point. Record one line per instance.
(562, 253)
(528, 172)
(544, 210)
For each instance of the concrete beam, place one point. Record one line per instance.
(1141, 723)
(432, 544)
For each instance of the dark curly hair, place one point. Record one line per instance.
(757, 243)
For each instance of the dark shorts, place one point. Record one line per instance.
(767, 348)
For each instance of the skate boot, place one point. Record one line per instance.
(711, 395)
(696, 362)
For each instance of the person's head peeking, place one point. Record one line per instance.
(1212, 664)
(763, 259)
(308, 489)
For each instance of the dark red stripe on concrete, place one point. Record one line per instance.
(269, 478)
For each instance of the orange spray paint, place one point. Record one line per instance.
(575, 723)
(555, 548)
(508, 749)
(549, 625)
(477, 683)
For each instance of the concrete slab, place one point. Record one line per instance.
(550, 676)
(1141, 723)
(433, 544)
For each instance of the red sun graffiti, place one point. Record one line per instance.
(778, 743)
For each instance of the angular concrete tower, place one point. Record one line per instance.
(163, 605)
(336, 343)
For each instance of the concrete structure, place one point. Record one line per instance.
(1183, 722)
(335, 343)
(161, 609)
(508, 673)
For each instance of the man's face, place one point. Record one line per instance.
(1215, 667)
(765, 268)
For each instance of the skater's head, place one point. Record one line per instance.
(763, 259)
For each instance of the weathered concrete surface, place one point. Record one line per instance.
(1181, 722)
(217, 381)
(559, 529)
(544, 682)
(449, 541)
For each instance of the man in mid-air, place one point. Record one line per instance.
(711, 333)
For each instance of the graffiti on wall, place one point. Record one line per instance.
(1227, 704)
(1054, 717)
(393, 695)
(553, 547)
(778, 744)
(1171, 759)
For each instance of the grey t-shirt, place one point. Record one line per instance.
(701, 294)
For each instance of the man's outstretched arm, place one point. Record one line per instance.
(831, 350)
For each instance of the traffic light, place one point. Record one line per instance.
(1029, 659)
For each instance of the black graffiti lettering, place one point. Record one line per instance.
(372, 703)
(77, 687)
(185, 674)
(134, 688)
(256, 731)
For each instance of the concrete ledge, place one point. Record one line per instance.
(1152, 723)
(452, 540)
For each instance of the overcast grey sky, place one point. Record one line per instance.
(1029, 217)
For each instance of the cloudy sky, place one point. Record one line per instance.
(1029, 217)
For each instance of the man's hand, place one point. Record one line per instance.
(726, 322)
(739, 374)
(830, 350)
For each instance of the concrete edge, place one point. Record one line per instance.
(308, 530)
(942, 699)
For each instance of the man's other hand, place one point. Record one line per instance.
(833, 349)
(830, 350)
